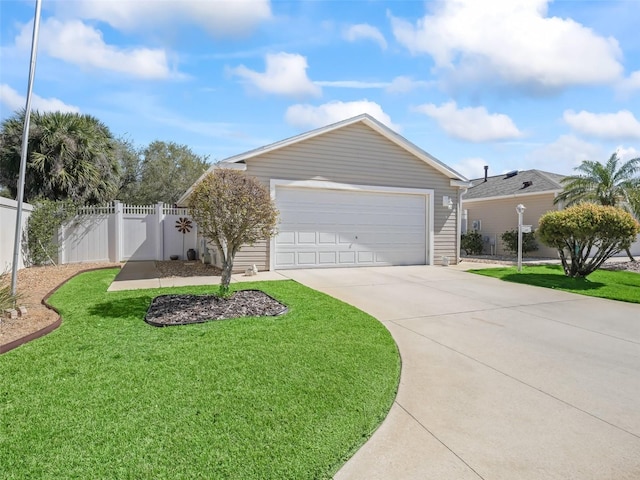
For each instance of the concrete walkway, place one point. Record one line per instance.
(499, 380)
(136, 275)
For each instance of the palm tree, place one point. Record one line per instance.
(71, 156)
(606, 184)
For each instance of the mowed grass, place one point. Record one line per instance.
(612, 284)
(108, 396)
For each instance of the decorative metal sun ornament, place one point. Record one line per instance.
(184, 225)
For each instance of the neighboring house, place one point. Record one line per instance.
(353, 193)
(490, 206)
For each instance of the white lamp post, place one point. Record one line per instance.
(520, 209)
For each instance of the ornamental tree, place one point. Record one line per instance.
(232, 210)
(586, 235)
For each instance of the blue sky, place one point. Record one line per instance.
(513, 84)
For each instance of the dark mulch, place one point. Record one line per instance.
(185, 309)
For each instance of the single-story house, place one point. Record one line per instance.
(490, 206)
(354, 193)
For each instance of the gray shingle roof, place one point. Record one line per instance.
(524, 182)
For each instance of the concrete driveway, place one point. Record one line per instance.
(499, 380)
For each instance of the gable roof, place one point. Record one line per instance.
(526, 182)
(370, 122)
(366, 119)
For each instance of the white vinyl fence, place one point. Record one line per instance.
(8, 212)
(121, 232)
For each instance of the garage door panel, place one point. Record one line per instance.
(345, 238)
(286, 238)
(325, 238)
(347, 257)
(307, 258)
(365, 257)
(327, 258)
(286, 259)
(349, 228)
(307, 238)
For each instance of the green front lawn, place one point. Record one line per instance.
(108, 396)
(612, 284)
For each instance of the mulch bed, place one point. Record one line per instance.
(166, 310)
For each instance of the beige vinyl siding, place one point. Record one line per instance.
(356, 154)
(251, 255)
(248, 256)
(498, 216)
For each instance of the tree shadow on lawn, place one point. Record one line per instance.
(549, 280)
(130, 307)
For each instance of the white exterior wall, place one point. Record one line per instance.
(356, 155)
(8, 212)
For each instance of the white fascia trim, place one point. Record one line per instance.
(428, 193)
(460, 184)
(513, 195)
(231, 166)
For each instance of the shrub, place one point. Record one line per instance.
(510, 241)
(586, 235)
(6, 299)
(471, 243)
(232, 209)
(42, 229)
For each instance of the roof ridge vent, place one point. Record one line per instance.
(512, 173)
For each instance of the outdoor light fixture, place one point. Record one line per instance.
(520, 209)
(447, 202)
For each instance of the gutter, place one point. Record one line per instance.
(512, 195)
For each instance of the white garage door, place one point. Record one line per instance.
(338, 228)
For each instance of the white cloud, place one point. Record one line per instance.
(627, 153)
(363, 31)
(471, 167)
(473, 124)
(631, 83)
(82, 45)
(309, 116)
(618, 125)
(512, 40)
(230, 17)
(14, 101)
(564, 154)
(358, 84)
(403, 84)
(286, 74)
